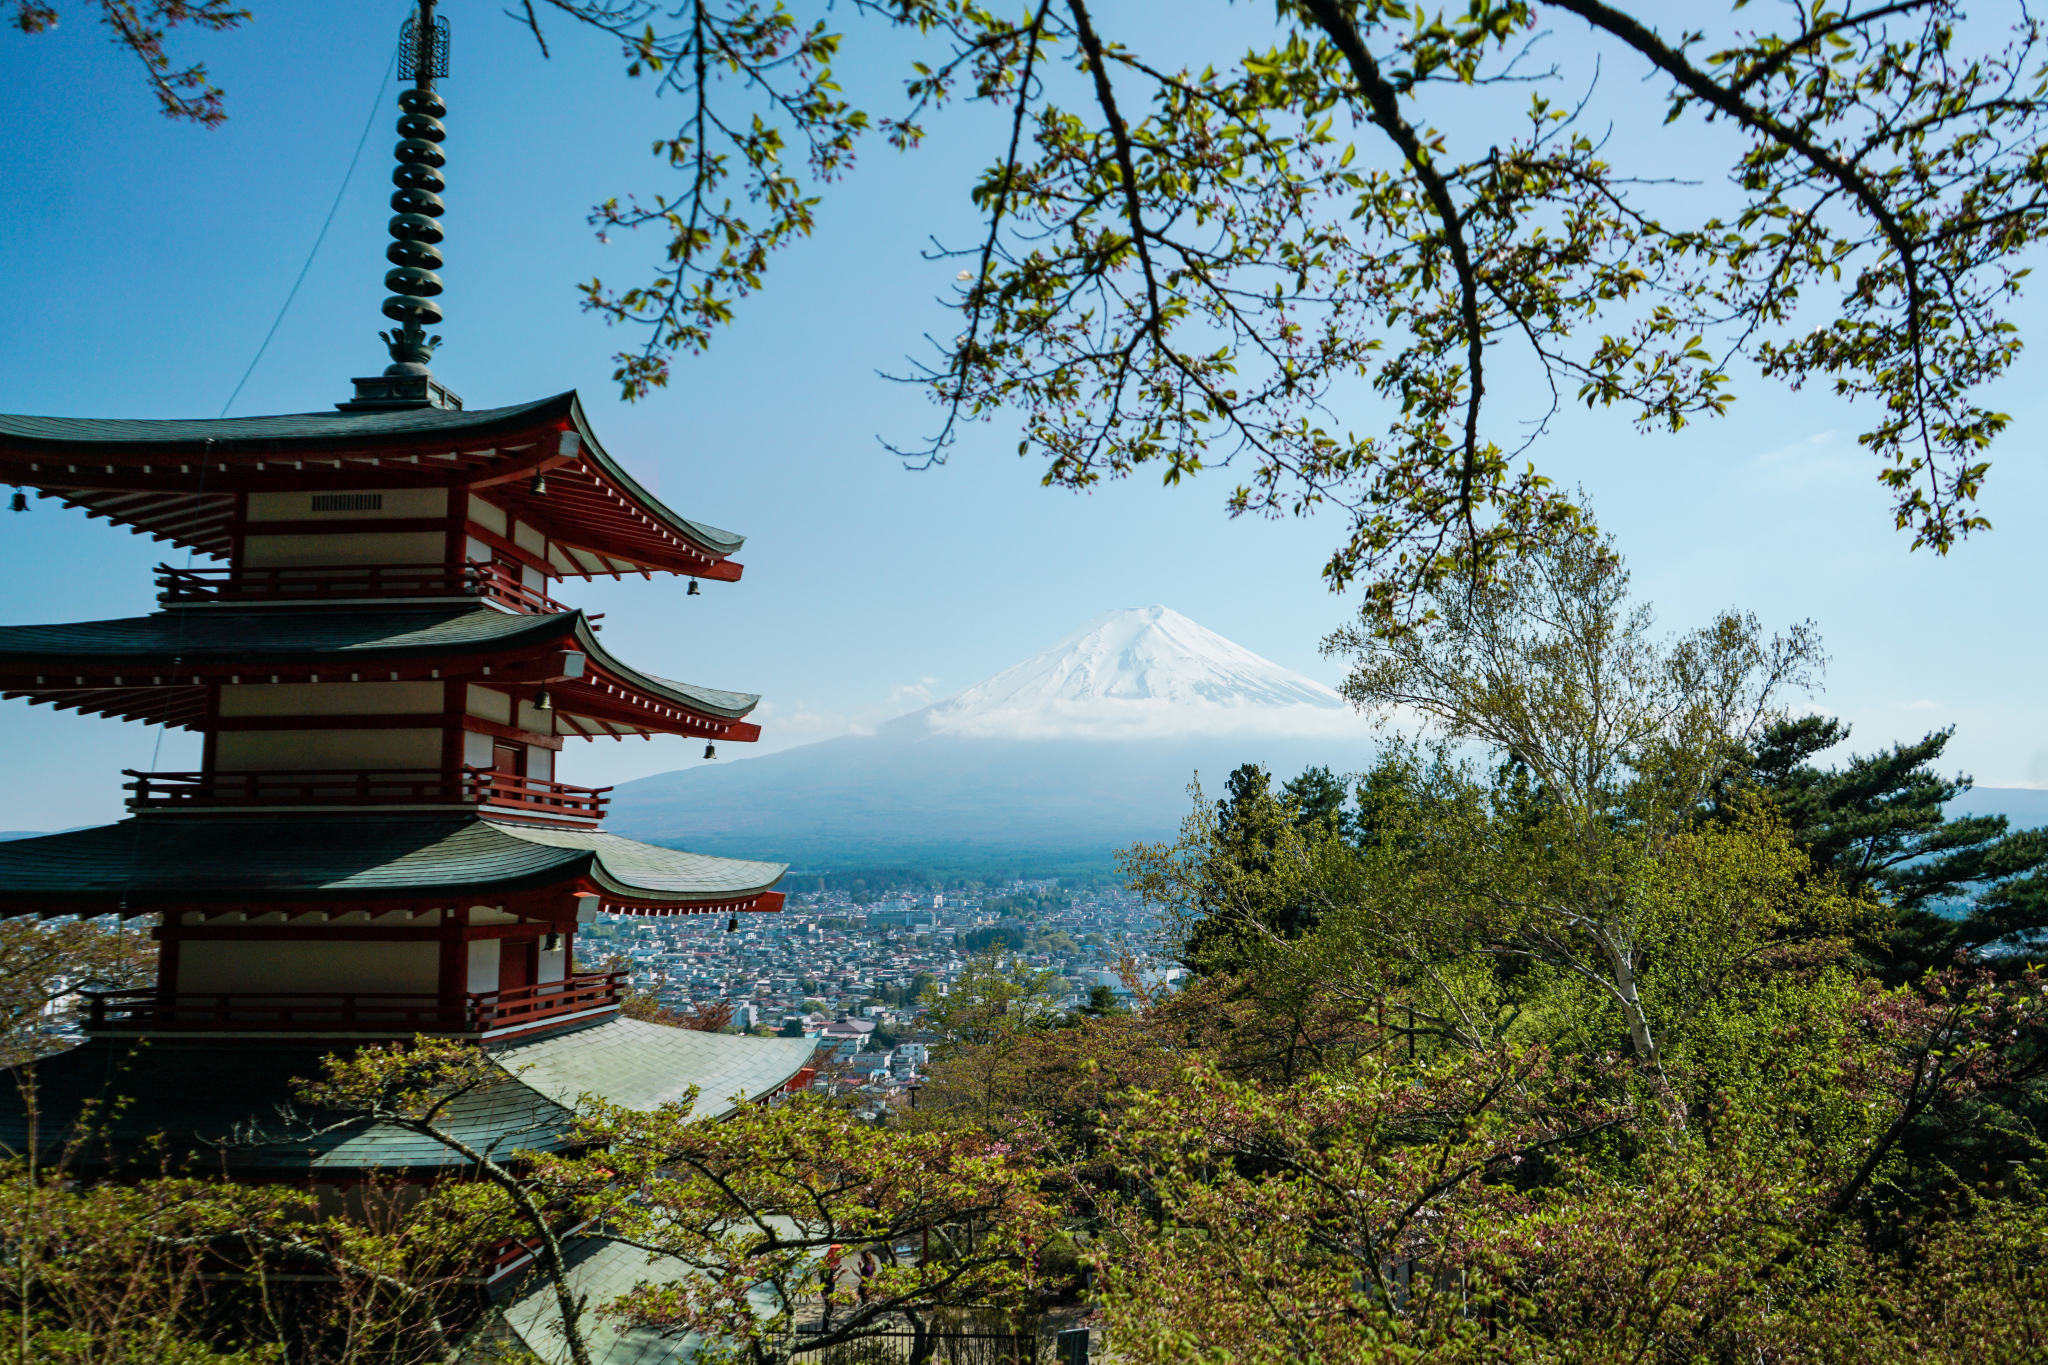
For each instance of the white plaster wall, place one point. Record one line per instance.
(238, 967)
(487, 515)
(476, 749)
(483, 964)
(269, 751)
(398, 502)
(370, 547)
(533, 720)
(529, 538)
(540, 763)
(489, 704)
(553, 966)
(332, 699)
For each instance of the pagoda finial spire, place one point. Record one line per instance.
(414, 252)
(416, 230)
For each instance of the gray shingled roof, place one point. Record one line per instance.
(293, 426)
(601, 1271)
(640, 1065)
(246, 858)
(231, 1099)
(344, 429)
(639, 867)
(232, 636)
(354, 639)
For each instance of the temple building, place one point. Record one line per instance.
(382, 838)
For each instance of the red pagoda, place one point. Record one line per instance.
(379, 841)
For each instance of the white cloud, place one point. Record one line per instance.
(910, 696)
(1822, 458)
(1151, 718)
(784, 725)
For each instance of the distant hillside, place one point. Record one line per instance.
(1085, 747)
(1056, 762)
(866, 801)
(2025, 807)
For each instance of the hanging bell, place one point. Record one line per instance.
(711, 751)
(693, 589)
(732, 925)
(20, 501)
(539, 486)
(543, 702)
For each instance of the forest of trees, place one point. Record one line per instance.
(1615, 1015)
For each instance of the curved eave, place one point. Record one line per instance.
(296, 864)
(649, 876)
(43, 665)
(719, 542)
(710, 701)
(174, 478)
(603, 522)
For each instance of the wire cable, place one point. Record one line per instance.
(334, 208)
(206, 462)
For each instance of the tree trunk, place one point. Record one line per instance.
(1622, 961)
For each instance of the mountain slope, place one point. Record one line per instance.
(1145, 672)
(1084, 747)
(1087, 746)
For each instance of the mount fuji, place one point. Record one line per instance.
(1141, 673)
(1086, 746)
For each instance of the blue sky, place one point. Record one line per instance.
(141, 263)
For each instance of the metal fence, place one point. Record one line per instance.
(934, 1348)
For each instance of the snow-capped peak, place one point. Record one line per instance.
(1142, 672)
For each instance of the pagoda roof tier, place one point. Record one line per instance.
(176, 479)
(228, 1100)
(158, 668)
(294, 866)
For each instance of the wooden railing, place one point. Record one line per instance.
(505, 791)
(479, 787)
(492, 582)
(339, 787)
(526, 1004)
(350, 1011)
(370, 1011)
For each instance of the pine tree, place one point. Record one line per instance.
(1879, 824)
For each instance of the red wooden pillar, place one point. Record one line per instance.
(454, 706)
(452, 985)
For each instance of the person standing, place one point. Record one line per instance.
(868, 1268)
(828, 1281)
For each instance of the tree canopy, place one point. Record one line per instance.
(1878, 825)
(1313, 258)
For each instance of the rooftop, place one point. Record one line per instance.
(233, 1100)
(151, 667)
(175, 478)
(141, 865)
